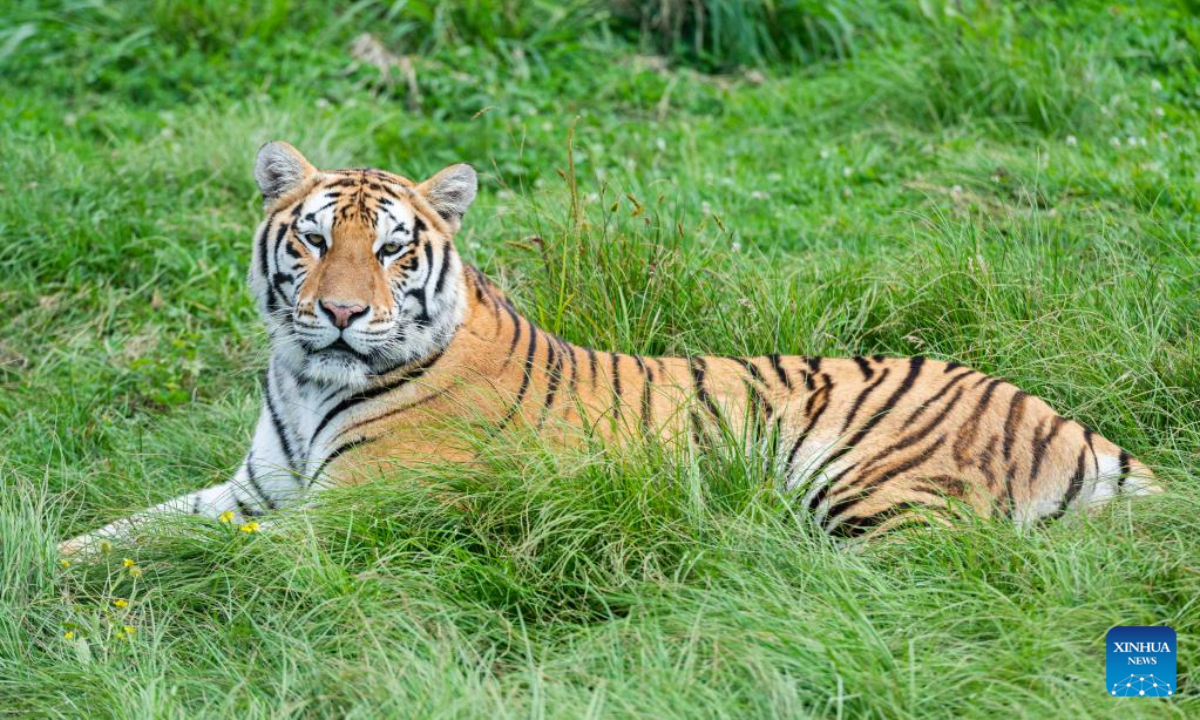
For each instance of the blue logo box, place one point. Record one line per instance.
(1140, 661)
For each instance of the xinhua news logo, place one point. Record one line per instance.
(1140, 661)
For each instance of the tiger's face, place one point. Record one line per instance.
(355, 270)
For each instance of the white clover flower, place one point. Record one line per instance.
(1156, 85)
(824, 154)
(1072, 141)
(660, 144)
(1114, 141)
(759, 195)
(1159, 112)
(736, 246)
(847, 171)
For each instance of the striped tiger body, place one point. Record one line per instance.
(384, 344)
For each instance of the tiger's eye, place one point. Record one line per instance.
(390, 248)
(316, 240)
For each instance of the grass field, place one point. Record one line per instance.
(1011, 185)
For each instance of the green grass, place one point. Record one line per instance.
(1013, 186)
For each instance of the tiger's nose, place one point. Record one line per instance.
(342, 313)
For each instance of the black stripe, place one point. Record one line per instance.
(533, 333)
(275, 294)
(592, 362)
(616, 376)
(1124, 465)
(864, 366)
(760, 406)
(750, 368)
(372, 393)
(516, 331)
(951, 366)
(698, 368)
(1016, 411)
(437, 287)
(824, 391)
(969, 429)
(418, 228)
(1040, 445)
(862, 397)
(245, 509)
(569, 349)
(1073, 487)
(697, 429)
(254, 484)
(262, 245)
(1076, 480)
(277, 423)
(778, 366)
(1088, 436)
(554, 366)
(647, 378)
(341, 450)
(858, 526)
(264, 262)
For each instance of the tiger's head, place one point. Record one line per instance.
(355, 271)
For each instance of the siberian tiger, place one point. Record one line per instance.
(379, 332)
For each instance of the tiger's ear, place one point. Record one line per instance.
(451, 192)
(279, 169)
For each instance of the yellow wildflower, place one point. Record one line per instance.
(135, 571)
(120, 635)
(250, 527)
(69, 635)
(129, 629)
(127, 562)
(121, 602)
(105, 546)
(227, 516)
(64, 563)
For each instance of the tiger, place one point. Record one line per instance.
(380, 333)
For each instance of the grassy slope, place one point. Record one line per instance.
(923, 196)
